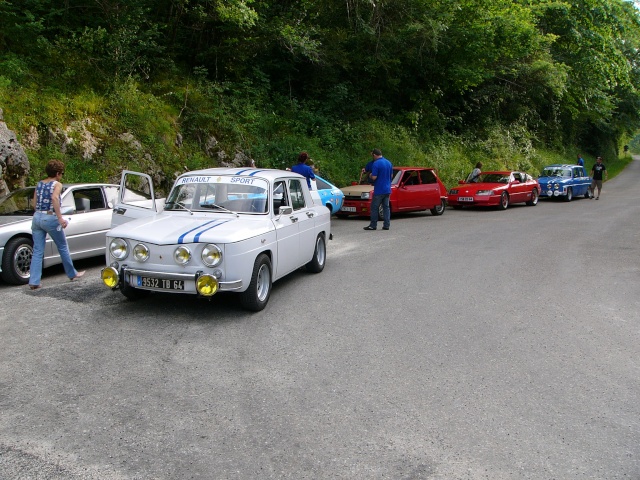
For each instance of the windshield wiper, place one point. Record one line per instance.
(179, 204)
(214, 205)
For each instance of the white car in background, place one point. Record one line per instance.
(87, 207)
(221, 229)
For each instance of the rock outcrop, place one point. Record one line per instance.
(14, 164)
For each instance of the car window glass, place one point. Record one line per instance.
(279, 196)
(87, 199)
(17, 202)
(297, 194)
(322, 185)
(112, 195)
(427, 176)
(136, 191)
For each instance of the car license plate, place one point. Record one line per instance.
(465, 199)
(348, 209)
(161, 283)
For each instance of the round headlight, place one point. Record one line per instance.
(141, 252)
(118, 248)
(211, 255)
(110, 277)
(556, 186)
(182, 255)
(207, 285)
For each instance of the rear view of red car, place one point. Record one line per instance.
(412, 189)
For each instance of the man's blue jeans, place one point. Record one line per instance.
(386, 211)
(40, 226)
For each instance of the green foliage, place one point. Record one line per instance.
(443, 84)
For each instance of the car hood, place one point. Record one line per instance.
(11, 219)
(180, 228)
(356, 189)
(474, 187)
(553, 180)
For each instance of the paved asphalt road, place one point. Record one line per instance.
(481, 344)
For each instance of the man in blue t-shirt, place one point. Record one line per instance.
(580, 161)
(303, 169)
(381, 174)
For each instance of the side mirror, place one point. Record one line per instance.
(286, 210)
(67, 210)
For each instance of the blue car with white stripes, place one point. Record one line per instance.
(564, 181)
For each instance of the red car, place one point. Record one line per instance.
(496, 189)
(412, 189)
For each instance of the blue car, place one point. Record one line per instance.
(327, 194)
(566, 181)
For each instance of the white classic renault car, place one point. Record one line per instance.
(221, 229)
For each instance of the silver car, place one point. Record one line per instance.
(87, 207)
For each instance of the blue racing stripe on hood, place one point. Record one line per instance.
(181, 238)
(197, 237)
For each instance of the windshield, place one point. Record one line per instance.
(494, 178)
(220, 193)
(556, 172)
(19, 202)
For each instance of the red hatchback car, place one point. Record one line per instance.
(498, 189)
(412, 189)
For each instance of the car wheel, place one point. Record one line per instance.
(535, 196)
(439, 210)
(504, 201)
(381, 212)
(255, 297)
(587, 194)
(316, 265)
(569, 194)
(132, 293)
(16, 262)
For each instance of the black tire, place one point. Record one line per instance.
(588, 194)
(16, 261)
(316, 265)
(439, 210)
(504, 201)
(255, 297)
(569, 196)
(535, 196)
(381, 212)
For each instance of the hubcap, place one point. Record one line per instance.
(22, 261)
(263, 282)
(321, 255)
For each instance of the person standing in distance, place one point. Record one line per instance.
(48, 219)
(303, 169)
(580, 161)
(597, 172)
(381, 174)
(475, 174)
